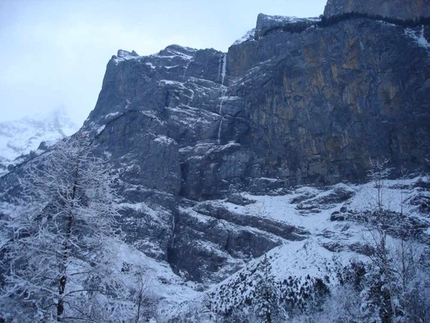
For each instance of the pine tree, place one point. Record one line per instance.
(267, 305)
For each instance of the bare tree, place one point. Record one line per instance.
(143, 299)
(395, 262)
(56, 259)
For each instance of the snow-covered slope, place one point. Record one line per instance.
(20, 137)
(336, 218)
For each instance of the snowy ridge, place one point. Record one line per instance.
(248, 36)
(267, 22)
(170, 52)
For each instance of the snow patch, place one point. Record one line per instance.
(418, 37)
(250, 35)
(170, 67)
(124, 55)
(100, 129)
(170, 82)
(164, 140)
(111, 115)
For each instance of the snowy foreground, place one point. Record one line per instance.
(331, 243)
(324, 270)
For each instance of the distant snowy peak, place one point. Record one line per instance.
(22, 136)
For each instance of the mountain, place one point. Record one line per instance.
(243, 177)
(20, 137)
(328, 99)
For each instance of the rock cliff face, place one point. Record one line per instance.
(402, 9)
(282, 108)
(329, 99)
(279, 109)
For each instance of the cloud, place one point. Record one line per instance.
(54, 52)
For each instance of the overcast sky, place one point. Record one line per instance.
(53, 53)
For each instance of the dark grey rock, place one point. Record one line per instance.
(218, 246)
(295, 108)
(337, 216)
(409, 9)
(280, 229)
(136, 143)
(330, 99)
(238, 199)
(211, 174)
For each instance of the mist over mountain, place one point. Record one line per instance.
(20, 137)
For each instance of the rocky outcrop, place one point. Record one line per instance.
(331, 98)
(409, 9)
(221, 240)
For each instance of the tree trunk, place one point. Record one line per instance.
(63, 267)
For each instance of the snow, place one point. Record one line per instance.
(164, 140)
(161, 281)
(170, 67)
(418, 37)
(220, 129)
(200, 147)
(393, 197)
(186, 69)
(299, 259)
(310, 256)
(100, 129)
(110, 115)
(191, 116)
(169, 82)
(174, 54)
(282, 208)
(248, 36)
(317, 221)
(271, 21)
(124, 55)
(422, 41)
(25, 135)
(222, 147)
(288, 19)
